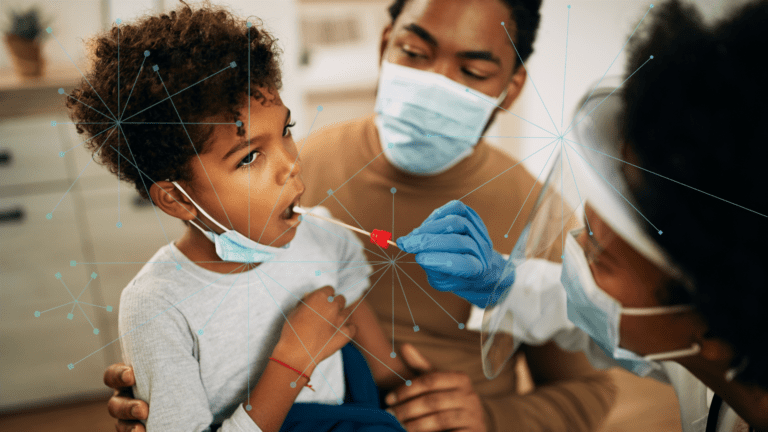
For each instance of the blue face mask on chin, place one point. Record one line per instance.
(232, 246)
(428, 123)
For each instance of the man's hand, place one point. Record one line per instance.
(122, 406)
(436, 401)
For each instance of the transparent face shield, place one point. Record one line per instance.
(587, 167)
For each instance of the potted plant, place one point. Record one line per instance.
(22, 36)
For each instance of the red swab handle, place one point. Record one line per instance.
(381, 237)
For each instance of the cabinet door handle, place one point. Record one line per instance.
(12, 215)
(5, 157)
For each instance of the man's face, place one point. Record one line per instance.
(462, 40)
(247, 186)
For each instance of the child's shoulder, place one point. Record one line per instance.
(156, 282)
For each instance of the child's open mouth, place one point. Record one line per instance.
(288, 214)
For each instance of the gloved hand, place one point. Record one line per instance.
(453, 246)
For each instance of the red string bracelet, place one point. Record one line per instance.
(295, 370)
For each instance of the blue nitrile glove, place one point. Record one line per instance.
(453, 246)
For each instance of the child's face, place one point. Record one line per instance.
(247, 183)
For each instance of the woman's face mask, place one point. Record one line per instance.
(599, 315)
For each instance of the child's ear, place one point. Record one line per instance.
(171, 201)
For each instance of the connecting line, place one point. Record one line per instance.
(174, 123)
(72, 97)
(405, 297)
(319, 272)
(88, 139)
(170, 96)
(342, 324)
(530, 191)
(499, 174)
(143, 174)
(249, 134)
(672, 180)
(59, 306)
(529, 75)
(195, 149)
(298, 154)
(146, 189)
(85, 315)
(346, 240)
(568, 129)
(222, 301)
(365, 278)
(565, 66)
(609, 95)
(425, 292)
(118, 72)
(617, 191)
(81, 173)
(361, 226)
(392, 273)
(141, 68)
(323, 200)
(487, 136)
(83, 75)
(565, 150)
(562, 203)
(72, 365)
(510, 112)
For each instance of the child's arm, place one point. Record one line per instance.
(377, 350)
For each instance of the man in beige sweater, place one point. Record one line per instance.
(345, 167)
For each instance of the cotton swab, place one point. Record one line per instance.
(380, 237)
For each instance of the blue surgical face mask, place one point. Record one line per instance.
(599, 314)
(428, 123)
(231, 245)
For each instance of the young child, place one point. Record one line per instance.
(203, 323)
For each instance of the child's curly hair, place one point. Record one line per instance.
(194, 51)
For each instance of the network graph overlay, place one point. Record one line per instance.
(388, 261)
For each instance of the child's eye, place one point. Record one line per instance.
(251, 158)
(287, 129)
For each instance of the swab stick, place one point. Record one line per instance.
(380, 237)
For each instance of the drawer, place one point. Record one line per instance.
(36, 349)
(30, 149)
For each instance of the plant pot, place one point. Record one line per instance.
(25, 55)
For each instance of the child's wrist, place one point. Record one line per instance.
(295, 357)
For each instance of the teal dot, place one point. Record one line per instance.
(393, 190)
(109, 308)
(502, 23)
(93, 275)
(390, 145)
(95, 331)
(317, 272)
(248, 407)
(61, 90)
(73, 263)
(53, 122)
(70, 366)
(329, 191)
(200, 332)
(146, 53)
(651, 57)
(415, 328)
(119, 224)
(61, 154)
(429, 135)
(660, 232)
(233, 64)
(49, 30)
(301, 217)
(408, 383)
(392, 354)
(57, 275)
(506, 235)
(238, 123)
(590, 233)
(49, 216)
(178, 266)
(319, 107)
(70, 316)
(339, 401)
(562, 256)
(651, 5)
(248, 24)
(119, 21)
(569, 6)
(461, 326)
(155, 68)
(37, 313)
(293, 385)
(330, 299)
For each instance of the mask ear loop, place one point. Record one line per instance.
(201, 210)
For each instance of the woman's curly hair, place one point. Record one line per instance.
(199, 57)
(697, 113)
